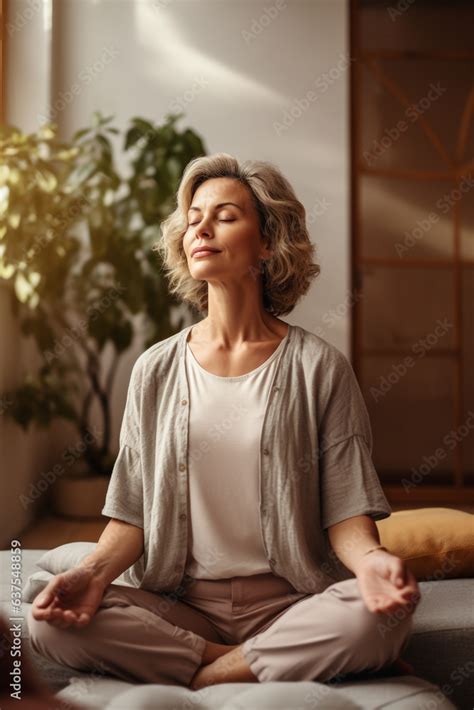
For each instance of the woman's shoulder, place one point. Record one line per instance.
(318, 350)
(159, 357)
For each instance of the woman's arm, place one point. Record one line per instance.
(352, 538)
(73, 597)
(385, 581)
(120, 545)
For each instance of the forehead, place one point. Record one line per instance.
(217, 190)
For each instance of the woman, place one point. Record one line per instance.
(243, 498)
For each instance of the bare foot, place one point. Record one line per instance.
(229, 668)
(212, 651)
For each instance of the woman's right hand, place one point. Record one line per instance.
(69, 599)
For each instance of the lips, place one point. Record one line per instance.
(204, 250)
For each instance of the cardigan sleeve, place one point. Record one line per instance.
(124, 499)
(349, 484)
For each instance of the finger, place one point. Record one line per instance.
(57, 615)
(388, 607)
(41, 614)
(83, 619)
(380, 608)
(391, 593)
(383, 608)
(69, 616)
(416, 592)
(379, 604)
(60, 618)
(411, 588)
(401, 601)
(387, 602)
(398, 573)
(411, 592)
(44, 598)
(50, 591)
(390, 599)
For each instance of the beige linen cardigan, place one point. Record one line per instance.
(315, 462)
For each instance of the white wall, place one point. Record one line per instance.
(239, 70)
(235, 73)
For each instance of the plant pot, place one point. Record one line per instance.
(80, 496)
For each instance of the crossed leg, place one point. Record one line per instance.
(135, 635)
(142, 636)
(317, 638)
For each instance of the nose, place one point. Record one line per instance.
(202, 229)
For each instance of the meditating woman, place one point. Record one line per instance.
(243, 497)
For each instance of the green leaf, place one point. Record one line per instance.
(132, 137)
(47, 132)
(80, 175)
(142, 125)
(46, 180)
(80, 134)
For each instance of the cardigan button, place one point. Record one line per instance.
(182, 467)
(266, 452)
(183, 516)
(184, 401)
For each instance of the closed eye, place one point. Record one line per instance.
(191, 224)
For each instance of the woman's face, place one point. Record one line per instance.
(222, 216)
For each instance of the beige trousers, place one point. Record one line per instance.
(147, 637)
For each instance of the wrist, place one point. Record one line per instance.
(369, 554)
(374, 549)
(97, 569)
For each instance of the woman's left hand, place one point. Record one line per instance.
(377, 575)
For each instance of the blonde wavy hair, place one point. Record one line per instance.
(287, 275)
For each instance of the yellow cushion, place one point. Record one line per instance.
(436, 543)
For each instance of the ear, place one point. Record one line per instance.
(265, 252)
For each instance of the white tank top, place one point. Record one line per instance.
(225, 423)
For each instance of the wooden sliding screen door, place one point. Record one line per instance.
(412, 109)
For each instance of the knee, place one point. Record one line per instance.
(65, 646)
(382, 636)
(395, 629)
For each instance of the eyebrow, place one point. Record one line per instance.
(221, 204)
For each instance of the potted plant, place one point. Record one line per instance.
(75, 247)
